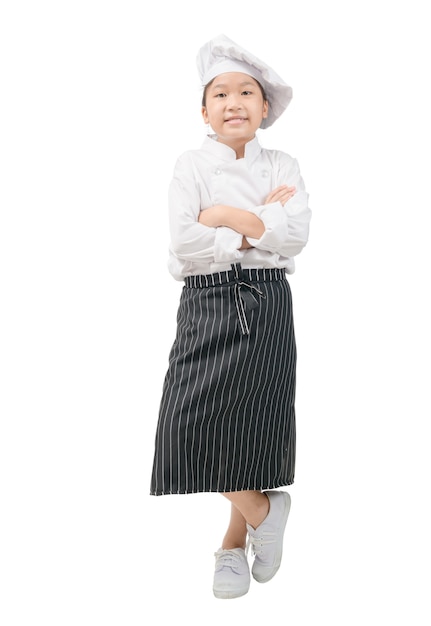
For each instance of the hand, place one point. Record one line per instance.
(245, 244)
(281, 194)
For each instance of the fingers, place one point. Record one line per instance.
(280, 194)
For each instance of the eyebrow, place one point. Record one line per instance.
(222, 85)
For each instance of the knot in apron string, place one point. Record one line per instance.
(244, 293)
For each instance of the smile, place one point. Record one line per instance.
(235, 120)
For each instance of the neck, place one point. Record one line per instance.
(240, 151)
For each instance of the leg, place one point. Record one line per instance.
(253, 506)
(247, 507)
(252, 512)
(232, 573)
(236, 533)
(265, 516)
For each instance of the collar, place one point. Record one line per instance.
(225, 153)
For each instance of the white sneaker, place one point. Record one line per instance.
(232, 573)
(267, 539)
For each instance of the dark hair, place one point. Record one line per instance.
(204, 95)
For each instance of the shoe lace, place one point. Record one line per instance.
(258, 541)
(226, 558)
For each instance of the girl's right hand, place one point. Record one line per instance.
(280, 194)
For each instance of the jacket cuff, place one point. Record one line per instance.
(227, 244)
(276, 232)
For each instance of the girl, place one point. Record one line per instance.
(238, 215)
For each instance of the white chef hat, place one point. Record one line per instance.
(221, 55)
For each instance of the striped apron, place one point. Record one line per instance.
(227, 414)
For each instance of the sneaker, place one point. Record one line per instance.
(232, 574)
(267, 539)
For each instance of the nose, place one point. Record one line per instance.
(234, 102)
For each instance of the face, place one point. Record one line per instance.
(234, 108)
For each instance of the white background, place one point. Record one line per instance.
(97, 101)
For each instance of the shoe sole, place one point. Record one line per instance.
(230, 595)
(287, 503)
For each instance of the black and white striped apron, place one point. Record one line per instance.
(227, 414)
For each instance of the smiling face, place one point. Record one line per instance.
(234, 108)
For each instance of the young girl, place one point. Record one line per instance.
(238, 215)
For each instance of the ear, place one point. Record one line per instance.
(265, 109)
(205, 115)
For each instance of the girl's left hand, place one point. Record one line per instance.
(281, 194)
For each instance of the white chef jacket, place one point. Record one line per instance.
(213, 175)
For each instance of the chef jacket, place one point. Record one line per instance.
(213, 175)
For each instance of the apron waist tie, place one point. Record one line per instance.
(245, 296)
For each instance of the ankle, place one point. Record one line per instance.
(260, 513)
(234, 540)
(232, 546)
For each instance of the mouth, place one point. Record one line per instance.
(234, 121)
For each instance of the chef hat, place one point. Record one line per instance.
(221, 55)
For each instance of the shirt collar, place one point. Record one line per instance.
(224, 152)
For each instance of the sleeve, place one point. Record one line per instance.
(190, 240)
(286, 227)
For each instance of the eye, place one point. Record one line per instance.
(220, 95)
(246, 93)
